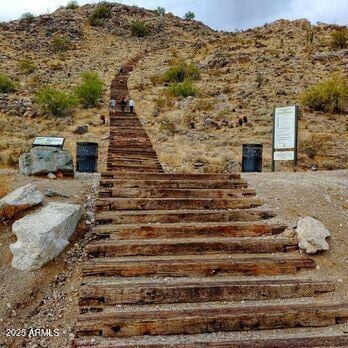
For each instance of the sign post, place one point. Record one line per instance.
(49, 141)
(285, 133)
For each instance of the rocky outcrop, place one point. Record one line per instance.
(44, 159)
(312, 235)
(42, 236)
(20, 199)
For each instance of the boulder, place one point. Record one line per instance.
(20, 199)
(209, 123)
(44, 159)
(43, 235)
(81, 130)
(312, 234)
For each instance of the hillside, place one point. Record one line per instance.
(242, 74)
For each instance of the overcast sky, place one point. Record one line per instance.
(219, 14)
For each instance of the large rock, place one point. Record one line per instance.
(44, 160)
(20, 199)
(312, 235)
(43, 235)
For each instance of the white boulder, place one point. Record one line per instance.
(312, 235)
(43, 235)
(20, 199)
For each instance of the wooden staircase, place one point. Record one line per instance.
(189, 260)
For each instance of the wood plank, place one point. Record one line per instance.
(176, 193)
(178, 291)
(210, 319)
(184, 246)
(176, 203)
(174, 184)
(193, 265)
(174, 176)
(188, 230)
(286, 342)
(173, 216)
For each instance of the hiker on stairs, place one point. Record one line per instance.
(123, 104)
(131, 106)
(112, 106)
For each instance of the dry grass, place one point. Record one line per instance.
(5, 185)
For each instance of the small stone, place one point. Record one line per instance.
(51, 176)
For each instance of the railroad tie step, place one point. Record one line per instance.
(187, 230)
(149, 247)
(173, 216)
(197, 265)
(96, 295)
(210, 319)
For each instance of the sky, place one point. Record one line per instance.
(218, 14)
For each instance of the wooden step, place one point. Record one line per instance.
(173, 176)
(174, 184)
(210, 319)
(127, 168)
(148, 247)
(176, 203)
(112, 292)
(173, 216)
(195, 265)
(176, 193)
(187, 230)
(306, 340)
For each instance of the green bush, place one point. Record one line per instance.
(189, 16)
(161, 11)
(328, 96)
(99, 15)
(339, 38)
(27, 16)
(55, 102)
(60, 44)
(72, 5)
(27, 66)
(6, 84)
(182, 89)
(90, 90)
(181, 72)
(139, 28)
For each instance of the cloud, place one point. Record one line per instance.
(219, 14)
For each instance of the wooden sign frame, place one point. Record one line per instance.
(285, 153)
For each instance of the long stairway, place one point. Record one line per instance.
(189, 260)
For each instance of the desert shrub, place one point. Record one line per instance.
(90, 90)
(328, 96)
(168, 126)
(189, 16)
(139, 28)
(99, 15)
(4, 185)
(60, 44)
(182, 89)
(6, 84)
(55, 102)
(181, 72)
(27, 16)
(27, 66)
(72, 5)
(339, 38)
(315, 144)
(161, 11)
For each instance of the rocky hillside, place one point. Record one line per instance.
(242, 74)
